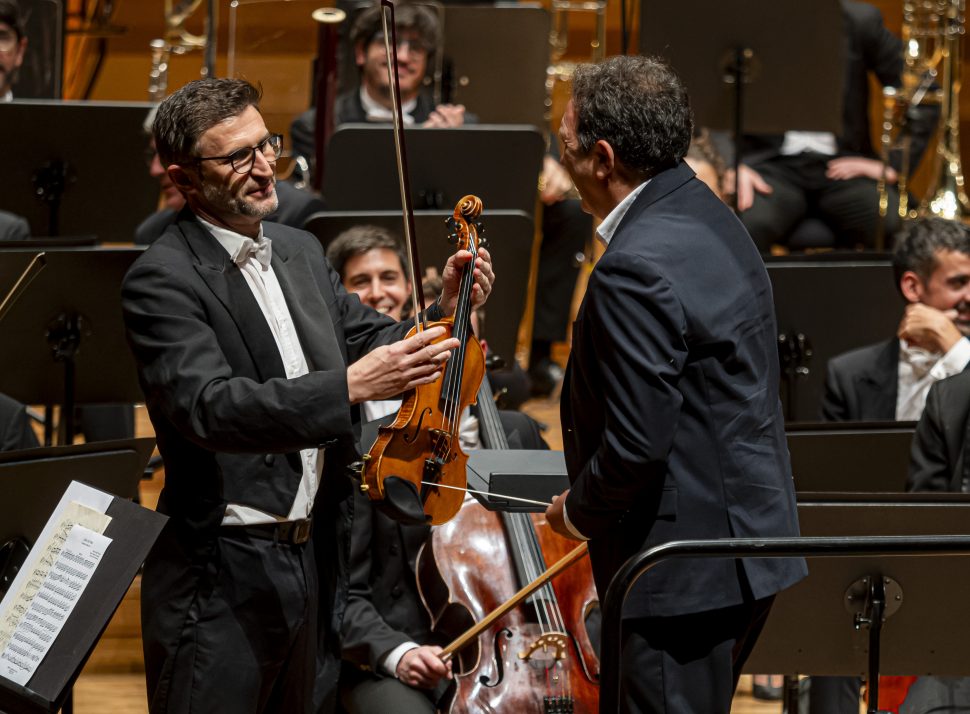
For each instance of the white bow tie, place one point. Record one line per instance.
(261, 250)
(919, 359)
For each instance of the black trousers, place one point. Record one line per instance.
(689, 664)
(801, 189)
(229, 625)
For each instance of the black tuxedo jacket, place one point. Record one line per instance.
(862, 385)
(938, 461)
(670, 410)
(867, 47)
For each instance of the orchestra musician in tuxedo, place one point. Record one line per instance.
(672, 423)
(253, 361)
(389, 654)
(890, 380)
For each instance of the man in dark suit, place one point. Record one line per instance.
(13, 227)
(938, 460)
(253, 360)
(15, 430)
(889, 380)
(787, 177)
(672, 425)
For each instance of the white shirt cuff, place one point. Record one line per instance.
(569, 524)
(954, 361)
(393, 659)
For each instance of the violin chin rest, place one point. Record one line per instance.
(401, 502)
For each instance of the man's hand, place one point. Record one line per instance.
(554, 516)
(850, 167)
(422, 667)
(554, 181)
(391, 369)
(928, 328)
(446, 115)
(451, 279)
(750, 183)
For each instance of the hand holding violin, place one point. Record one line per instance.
(451, 279)
(422, 667)
(392, 369)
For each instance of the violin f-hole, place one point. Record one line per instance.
(499, 662)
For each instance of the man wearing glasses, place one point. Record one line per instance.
(253, 360)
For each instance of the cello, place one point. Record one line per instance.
(538, 657)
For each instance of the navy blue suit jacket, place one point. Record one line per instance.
(671, 417)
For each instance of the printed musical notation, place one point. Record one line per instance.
(49, 585)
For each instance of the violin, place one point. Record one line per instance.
(533, 655)
(416, 467)
(415, 471)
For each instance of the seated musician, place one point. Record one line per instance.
(389, 661)
(15, 430)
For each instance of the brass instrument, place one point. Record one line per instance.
(179, 41)
(560, 70)
(932, 34)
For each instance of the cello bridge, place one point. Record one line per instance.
(551, 645)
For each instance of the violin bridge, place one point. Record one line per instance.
(551, 645)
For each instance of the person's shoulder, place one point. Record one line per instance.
(957, 386)
(861, 358)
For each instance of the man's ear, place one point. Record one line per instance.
(911, 286)
(181, 178)
(360, 54)
(605, 160)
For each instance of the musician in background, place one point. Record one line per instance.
(253, 360)
(391, 662)
(13, 45)
(15, 429)
(672, 424)
(889, 380)
(786, 178)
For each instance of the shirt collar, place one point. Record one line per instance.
(228, 239)
(8, 97)
(378, 112)
(608, 227)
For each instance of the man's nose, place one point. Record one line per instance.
(376, 288)
(261, 166)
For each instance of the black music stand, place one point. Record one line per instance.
(509, 235)
(76, 168)
(538, 475)
(859, 457)
(494, 51)
(824, 307)
(66, 325)
(818, 625)
(742, 73)
(133, 531)
(499, 164)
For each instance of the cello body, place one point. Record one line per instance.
(527, 662)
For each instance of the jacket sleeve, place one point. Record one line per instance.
(639, 326)
(834, 407)
(929, 463)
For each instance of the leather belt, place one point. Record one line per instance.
(289, 532)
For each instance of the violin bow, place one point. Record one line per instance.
(390, 47)
(552, 571)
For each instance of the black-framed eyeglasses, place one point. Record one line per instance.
(242, 160)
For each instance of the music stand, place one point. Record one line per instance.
(133, 531)
(499, 164)
(742, 73)
(49, 242)
(475, 73)
(825, 307)
(76, 168)
(511, 252)
(538, 475)
(66, 324)
(811, 628)
(850, 456)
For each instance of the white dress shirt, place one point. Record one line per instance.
(269, 296)
(919, 370)
(378, 112)
(819, 142)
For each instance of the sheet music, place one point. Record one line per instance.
(45, 604)
(80, 505)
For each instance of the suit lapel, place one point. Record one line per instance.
(227, 283)
(877, 388)
(308, 308)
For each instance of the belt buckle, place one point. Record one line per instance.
(301, 533)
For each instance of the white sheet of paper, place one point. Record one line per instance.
(53, 603)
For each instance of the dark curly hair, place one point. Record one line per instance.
(921, 239)
(639, 106)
